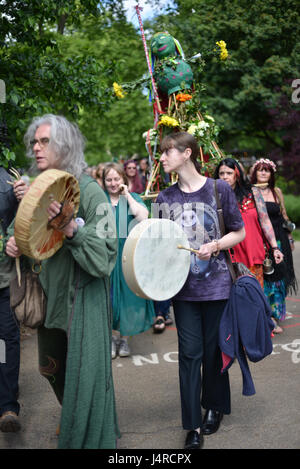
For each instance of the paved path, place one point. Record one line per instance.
(147, 395)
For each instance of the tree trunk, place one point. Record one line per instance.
(61, 23)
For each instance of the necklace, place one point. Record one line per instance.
(246, 203)
(262, 185)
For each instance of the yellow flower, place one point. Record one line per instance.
(168, 121)
(224, 52)
(118, 90)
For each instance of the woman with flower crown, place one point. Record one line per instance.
(251, 251)
(283, 280)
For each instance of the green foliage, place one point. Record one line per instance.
(292, 205)
(63, 57)
(6, 157)
(114, 129)
(296, 235)
(39, 76)
(263, 45)
(118, 133)
(287, 187)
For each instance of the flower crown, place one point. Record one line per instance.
(266, 161)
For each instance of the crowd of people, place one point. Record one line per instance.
(91, 312)
(137, 173)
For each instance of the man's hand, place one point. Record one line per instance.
(12, 249)
(20, 189)
(61, 217)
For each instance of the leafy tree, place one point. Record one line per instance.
(262, 39)
(39, 78)
(113, 129)
(285, 123)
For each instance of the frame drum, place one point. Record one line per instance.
(33, 236)
(153, 267)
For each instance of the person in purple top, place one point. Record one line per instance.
(199, 305)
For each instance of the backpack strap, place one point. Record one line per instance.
(222, 229)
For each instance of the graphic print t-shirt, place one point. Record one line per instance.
(196, 213)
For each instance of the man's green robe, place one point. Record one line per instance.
(76, 283)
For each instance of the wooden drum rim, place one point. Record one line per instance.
(33, 236)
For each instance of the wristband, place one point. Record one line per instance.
(217, 252)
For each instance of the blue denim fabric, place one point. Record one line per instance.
(10, 355)
(162, 308)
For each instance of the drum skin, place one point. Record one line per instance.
(33, 236)
(153, 267)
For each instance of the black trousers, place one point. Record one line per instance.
(9, 355)
(200, 360)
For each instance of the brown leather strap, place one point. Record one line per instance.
(222, 229)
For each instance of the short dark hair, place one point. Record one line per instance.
(181, 141)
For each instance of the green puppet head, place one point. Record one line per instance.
(163, 45)
(177, 74)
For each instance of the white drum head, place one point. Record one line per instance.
(153, 266)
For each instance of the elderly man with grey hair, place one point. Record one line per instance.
(74, 342)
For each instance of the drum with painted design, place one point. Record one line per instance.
(33, 235)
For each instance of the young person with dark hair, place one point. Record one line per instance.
(199, 305)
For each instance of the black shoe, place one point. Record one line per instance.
(211, 421)
(194, 440)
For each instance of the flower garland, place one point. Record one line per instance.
(151, 136)
(182, 97)
(224, 51)
(118, 90)
(168, 121)
(267, 162)
(198, 128)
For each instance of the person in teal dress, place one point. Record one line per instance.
(131, 314)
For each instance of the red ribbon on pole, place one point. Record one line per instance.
(138, 10)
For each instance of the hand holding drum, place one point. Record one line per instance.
(46, 213)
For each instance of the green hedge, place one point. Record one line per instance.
(292, 205)
(296, 235)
